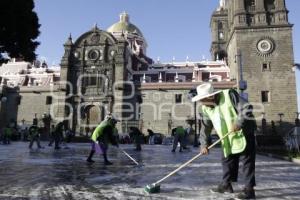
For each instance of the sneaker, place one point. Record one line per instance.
(223, 189)
(108, 163)
(90, 161)
(246, 194)
(173, 151)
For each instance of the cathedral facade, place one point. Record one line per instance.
(109, 72)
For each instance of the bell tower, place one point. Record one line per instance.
(219, 32)
(260, 51)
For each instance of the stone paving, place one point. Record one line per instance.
(64, 174)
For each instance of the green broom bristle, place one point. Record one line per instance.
(152, 188)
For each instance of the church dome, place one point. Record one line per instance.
(124, 26)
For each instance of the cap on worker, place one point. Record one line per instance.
(205, 90)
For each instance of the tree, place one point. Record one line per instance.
(19, 27)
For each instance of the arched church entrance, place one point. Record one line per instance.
(94, 115)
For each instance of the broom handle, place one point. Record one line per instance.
(130, 157)
(191, 160)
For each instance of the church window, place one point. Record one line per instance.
(250, 5)
(221, 35)
(269, 5)
(265, 96)
(178, 98)
(205, 76)
(48, 100)
(93, 54)
(250, 19)
(266, 67)
(93, 80)
(181, 78)
(220, 25)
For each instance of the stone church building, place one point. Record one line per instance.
(108, 71)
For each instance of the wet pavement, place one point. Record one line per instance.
(64, 174)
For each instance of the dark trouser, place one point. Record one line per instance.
(103, 147)
(6, 139)
(56, 142)
(138, 143)
(92, 152)
(178, 138)
(138, 147)
(51, 141)
(231, 165)
(185, 141)
(37, 139)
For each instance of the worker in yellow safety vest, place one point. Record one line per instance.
(225, 111)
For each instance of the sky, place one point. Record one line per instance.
(172, 28)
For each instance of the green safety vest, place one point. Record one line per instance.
(33, 131)
(180, 131)
(223, 117)
(98, 132)
(7, 132)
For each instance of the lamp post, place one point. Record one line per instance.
(297, 121)
(3, 100)
(141, 121)
(191, 94)
(280, 117)
(280, 122)
(242, 84)
(170, 124)
(263, 123)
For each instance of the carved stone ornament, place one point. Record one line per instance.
(265, 46)
(95, 38)
(93, 54)
(76, 54)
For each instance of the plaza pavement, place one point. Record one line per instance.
(64, 174)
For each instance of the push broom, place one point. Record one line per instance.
(155, 187)
(131, 158)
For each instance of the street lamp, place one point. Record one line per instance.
(3, 100)
(242, 84)
(141, 121)
(191, 94)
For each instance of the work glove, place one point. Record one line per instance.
(235, 128)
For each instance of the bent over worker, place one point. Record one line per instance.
(102, 136)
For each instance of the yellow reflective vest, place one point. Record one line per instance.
(223, 117)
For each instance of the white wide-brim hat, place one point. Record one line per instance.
(205, 90)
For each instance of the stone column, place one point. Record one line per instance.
(281, 13)
(239, 13)
(119, 71)
(280, 5)
(260, 13)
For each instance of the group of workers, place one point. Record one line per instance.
(226, 112)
